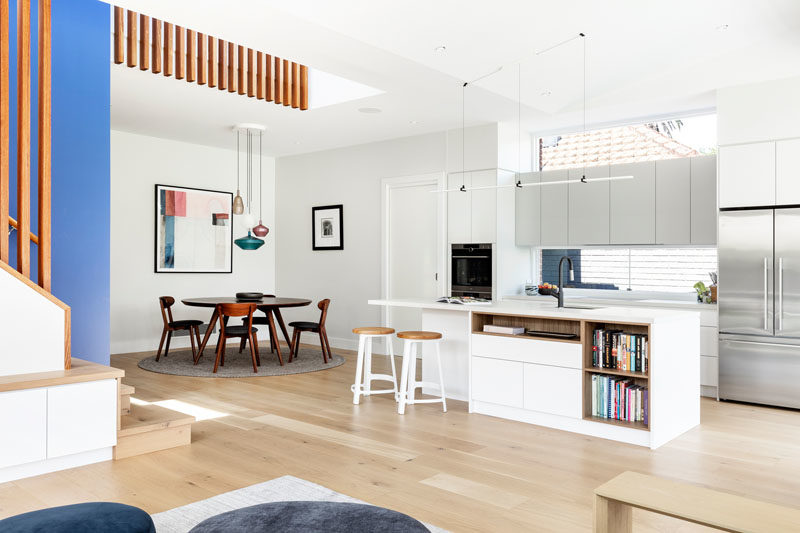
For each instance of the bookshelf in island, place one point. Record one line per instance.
(629, 374)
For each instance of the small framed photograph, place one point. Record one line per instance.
(327, 227)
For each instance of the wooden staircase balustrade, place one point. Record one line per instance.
(206, 60)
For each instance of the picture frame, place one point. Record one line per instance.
(193, 230)
(327, 227)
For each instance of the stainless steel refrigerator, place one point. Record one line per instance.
(759, 306)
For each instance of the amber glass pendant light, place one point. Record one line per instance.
(238, 203)
(261, 230)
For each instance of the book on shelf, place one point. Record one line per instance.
(614, 398)
(616, 350)
(508, 330)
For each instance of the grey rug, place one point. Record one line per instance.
(286, 488)
(240, 365)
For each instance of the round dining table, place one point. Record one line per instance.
(270, 305)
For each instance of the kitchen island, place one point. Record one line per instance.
(550, 378)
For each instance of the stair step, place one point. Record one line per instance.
(125, 393)
(150, 428)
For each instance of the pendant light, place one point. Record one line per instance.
(261, 230)
(238, 204)
(249, 242)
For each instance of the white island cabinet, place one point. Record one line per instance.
(550, 378)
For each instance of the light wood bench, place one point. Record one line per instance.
(613, 503)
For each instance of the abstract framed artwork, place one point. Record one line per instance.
(327, 227)
(194, 230)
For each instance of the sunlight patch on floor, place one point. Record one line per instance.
(198, 412)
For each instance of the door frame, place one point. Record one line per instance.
(439, 179)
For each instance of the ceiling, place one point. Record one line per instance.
(643, 59)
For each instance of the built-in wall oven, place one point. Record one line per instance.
(471, 270)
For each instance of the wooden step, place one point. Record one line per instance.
(125, 393)
(150, 428)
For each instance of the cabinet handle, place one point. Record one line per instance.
(766, 293)
(780, 293)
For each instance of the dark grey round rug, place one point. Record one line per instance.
(239, 365)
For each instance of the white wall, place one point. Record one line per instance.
(758, 112)
(350, 176)
(32, 329)
(137, 163)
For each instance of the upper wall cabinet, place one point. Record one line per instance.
(554, 201)
(588, 207)
(633, 204)
(458, 209)
(484, 207)
(704, 199)
(526, 213)
(472, 215)
(673, 201)
(787, 172)
(747, 175)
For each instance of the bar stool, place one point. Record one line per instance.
(408, 375)
(364, 387)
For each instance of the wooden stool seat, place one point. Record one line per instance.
(373, 331)
(419, 335)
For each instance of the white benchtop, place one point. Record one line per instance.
(658, 303)
(615, 313)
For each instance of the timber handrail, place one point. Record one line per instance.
(614, 500)
(14, 224)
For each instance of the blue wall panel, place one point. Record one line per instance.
(80, 166)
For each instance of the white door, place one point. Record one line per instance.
(413, 228)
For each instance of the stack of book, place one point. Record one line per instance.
(619, 351)
(619, 399)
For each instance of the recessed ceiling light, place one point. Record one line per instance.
(297, 142)
(369, 110)
(440, 49)
(413, 122)
(545, 93)
(722, 27)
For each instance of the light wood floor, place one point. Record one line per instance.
(461, 472)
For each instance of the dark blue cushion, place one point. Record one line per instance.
(96, 517)
(304, 517)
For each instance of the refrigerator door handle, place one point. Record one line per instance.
(766, 294)
(780, 294)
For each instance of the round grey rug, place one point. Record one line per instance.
(239, 365)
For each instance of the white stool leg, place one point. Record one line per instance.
(368, 366)
(412, 373)
(441, 377)
(359, 367)
(391, 362)
(401, 405)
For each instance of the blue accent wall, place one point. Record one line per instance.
(81, 93)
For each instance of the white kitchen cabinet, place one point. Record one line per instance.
(483, 214)
(555, 353)
(81, 417)
(588, 207)
(709, 371)
(673, 201)
(553, 390)
(633, 203)
(787, 172)
(554, 208)
(497, 381)
(747, 175)
(23, 419)
(526, 213)
(704, 199)
(458, 204)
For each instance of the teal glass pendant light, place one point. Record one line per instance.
(250, 242)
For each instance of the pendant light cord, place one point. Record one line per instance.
(583, 145)
(463, 135)
(238, 156)
(260, 183)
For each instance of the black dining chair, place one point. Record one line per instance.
(171, 325)
(315, 327)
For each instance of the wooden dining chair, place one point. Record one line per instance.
(315, 327)
(171, 325)
(262, 320)
(245, 331)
